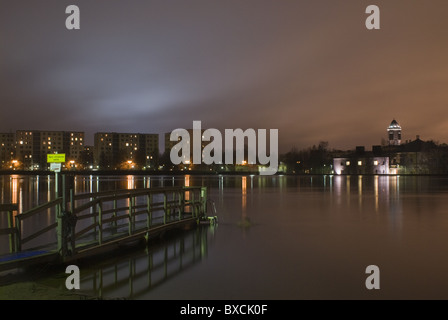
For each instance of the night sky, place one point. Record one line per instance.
(308, 68)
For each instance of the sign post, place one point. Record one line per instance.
(55, 161)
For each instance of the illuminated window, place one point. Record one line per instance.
(375, 163)
(359, 163)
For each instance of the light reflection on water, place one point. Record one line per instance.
(281, 237)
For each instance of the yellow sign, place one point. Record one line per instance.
(58, 157)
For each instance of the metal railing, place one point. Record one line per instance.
(95, 219)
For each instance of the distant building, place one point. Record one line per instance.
(418, 157)
(77, 146)
(27, 149)
(362, 162)
(125, 150)
(170, 144)
(32, 146)
(394, 133)
(105, 149)
(7, 148)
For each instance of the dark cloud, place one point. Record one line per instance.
(308, 68)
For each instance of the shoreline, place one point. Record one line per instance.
(197, 173)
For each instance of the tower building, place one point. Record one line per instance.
(394, 133)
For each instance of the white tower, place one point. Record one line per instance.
(394, 133)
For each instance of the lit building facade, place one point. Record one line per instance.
(27, 148)
(105, 149)
(125, 150)
(32, 146)
(361, 165)
(77, 145)
(151, 149)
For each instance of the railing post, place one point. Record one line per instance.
(114, 214)
(180, 204)
(93, 212)
(149, 209)
(193, 204)
(12, 234)
(172, 205)
(131, 214)
(18, 240)
(72, 200)
(59, 230)
(204, 200)
(64, 193)
(164, 208)
(100, 222)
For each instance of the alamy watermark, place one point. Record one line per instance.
(373, 280)
(72, 281)
(72, 22)
(191, 150)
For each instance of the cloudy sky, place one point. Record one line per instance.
(308, 68)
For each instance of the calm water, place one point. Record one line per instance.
(281, 237)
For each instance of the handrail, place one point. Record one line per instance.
(139, 191)
(11, 230)
(39, 208)
(173, 204)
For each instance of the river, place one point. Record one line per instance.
(278, 237)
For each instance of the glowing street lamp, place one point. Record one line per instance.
(13, 164)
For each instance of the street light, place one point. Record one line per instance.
(13, 164)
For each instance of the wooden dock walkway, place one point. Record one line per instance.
(87, 224)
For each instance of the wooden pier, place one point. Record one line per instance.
(82, 225)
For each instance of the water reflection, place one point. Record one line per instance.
(134, 275)
(244, 198)
(130, 181)
(382, 193)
